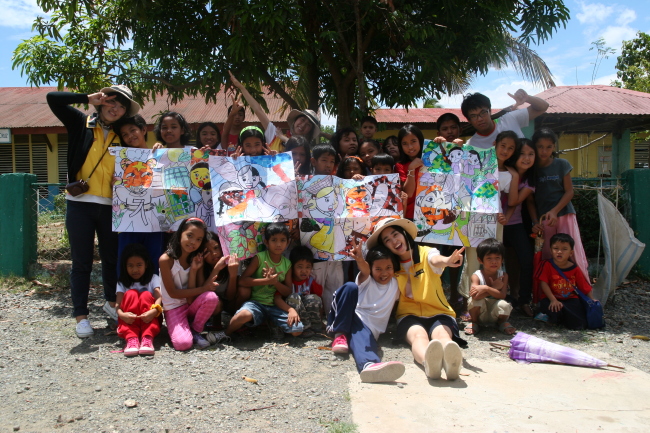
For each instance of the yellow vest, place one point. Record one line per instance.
(100, 182)
(428, 296)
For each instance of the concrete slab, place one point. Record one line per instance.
(503, 396)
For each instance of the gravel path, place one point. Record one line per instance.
(51, 380)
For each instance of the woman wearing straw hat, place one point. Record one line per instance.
(89, 208)
(424, 317)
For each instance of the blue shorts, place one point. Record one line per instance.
(271, 313)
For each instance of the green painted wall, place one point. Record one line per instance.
(19, 218)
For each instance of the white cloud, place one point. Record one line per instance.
(19, 13)
(605, 80)
(626, 17)
(594, 13)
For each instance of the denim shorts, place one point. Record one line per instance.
(271, 313)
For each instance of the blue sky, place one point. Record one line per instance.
(567, 53)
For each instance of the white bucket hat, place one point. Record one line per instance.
(134, 107)
(311, 116)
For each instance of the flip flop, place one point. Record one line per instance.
(506, 325)
(471, 329)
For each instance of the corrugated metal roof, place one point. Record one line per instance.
(417, 115)
(596, 99)
(26, 107)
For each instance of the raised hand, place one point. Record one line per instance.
(197, 262)
(456, 258)
(520, 97)
(100, 98)
(356, 253)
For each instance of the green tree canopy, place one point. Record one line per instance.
(633, 64)
(347, 56)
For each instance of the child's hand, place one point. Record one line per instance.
(440, 140)
(127, 317)
(270, 274)
(149, 316)
(550, 217)
(538, 229)
(495, 283)
(520, 97)
(296, 167)
(456, 258)
(238, 152)
(197, 262)
(458, 141)
(293, 317)
(416, 163)
(501, 219)
(475, 291)
(157, 146)
(356, 252)
(233, 265)
(358, 177)
(555, 306)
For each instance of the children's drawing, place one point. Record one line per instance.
(246, 238)
(333, 211)
(253, 189)
(155, 190)
(457, 197)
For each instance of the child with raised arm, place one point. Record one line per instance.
(360, 313)
(559, 278)
(265, 275)
(489, 288)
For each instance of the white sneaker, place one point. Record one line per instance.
(433, 359)
(382, 372)
(84, 329)
(453, 360)
(112, 313)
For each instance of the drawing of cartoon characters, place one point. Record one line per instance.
(249, 177)
(322, 207)
(133, 195)
(456, 159)
(385, 200)
(357, 202)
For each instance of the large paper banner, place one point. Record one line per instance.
(155, 190)
(253, 189)
(457, 198)
(333, 211)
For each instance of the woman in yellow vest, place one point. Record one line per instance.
(90, 212)
(424, 317)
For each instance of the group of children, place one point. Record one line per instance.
(287, 287)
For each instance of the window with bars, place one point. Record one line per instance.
(27, 154)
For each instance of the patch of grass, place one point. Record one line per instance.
(346, 396)
(340, 427)
(14, 284)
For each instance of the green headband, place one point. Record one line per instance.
(257, 128)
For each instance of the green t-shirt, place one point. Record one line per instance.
(264, 294)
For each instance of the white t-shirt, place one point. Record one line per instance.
(512, 121)
(181, 277)
(155, 282)
(375, 303)
(407, 265)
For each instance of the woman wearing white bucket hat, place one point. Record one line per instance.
(424, 317)
(89, 209)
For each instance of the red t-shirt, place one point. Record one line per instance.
(560, 287)
(402, 169)
(305, 287)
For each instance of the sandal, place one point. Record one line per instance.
(472, 328)
(507, 328)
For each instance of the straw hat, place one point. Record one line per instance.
(311, 116)
(134, 107)
(407, 225)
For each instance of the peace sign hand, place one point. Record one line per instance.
(456, 258)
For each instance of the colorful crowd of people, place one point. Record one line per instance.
(186, 279)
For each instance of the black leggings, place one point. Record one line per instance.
(572, 315)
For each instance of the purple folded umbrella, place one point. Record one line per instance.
(526, 348)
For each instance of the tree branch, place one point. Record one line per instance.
(278, 89)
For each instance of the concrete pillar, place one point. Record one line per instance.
(621, 159)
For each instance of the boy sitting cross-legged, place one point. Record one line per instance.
(489, 288)
(559, 278)
(265, 275)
